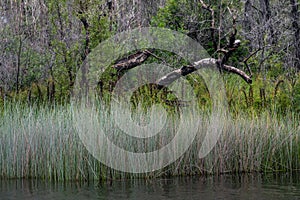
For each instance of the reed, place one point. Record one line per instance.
(42, 142)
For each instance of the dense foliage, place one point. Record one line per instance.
(44, 45)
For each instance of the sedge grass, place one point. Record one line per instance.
(41, 142)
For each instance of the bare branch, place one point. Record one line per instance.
(132, 60)
(204, 63)
(213, 27)
(141, 56)
(245, 61)
(233, 44)
(239, 72)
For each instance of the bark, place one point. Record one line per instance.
(233, 44)
(19, 64)
(247, 21)
(86, 50)
(296, 27)
(204, 63)
(132, 60)
(212, 27)
(247, 25)
(266, 16)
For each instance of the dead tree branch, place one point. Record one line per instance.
(141, 56)
(233, 43)
(212, 27)
(204, 63)
(132, 61)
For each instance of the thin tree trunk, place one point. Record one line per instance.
(247, 20)
(86, 50)
(19, 65)
(296, 27)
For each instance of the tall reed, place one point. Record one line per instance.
(42, 142)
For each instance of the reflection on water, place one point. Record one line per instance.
(280, 186)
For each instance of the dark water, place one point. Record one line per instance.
(280, 186)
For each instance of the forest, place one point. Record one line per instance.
(255, 44)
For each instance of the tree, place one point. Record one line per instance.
(296, 29)
(232, 45)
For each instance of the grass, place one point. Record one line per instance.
(42, 142)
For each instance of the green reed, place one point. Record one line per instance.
(42, 142)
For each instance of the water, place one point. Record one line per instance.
(280, 186)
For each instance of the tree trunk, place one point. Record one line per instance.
(247, 20)
(86, 50)
(296, 29)
(19, 65)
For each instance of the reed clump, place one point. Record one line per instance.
(42, 142)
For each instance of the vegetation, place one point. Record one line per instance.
(39, 142)
(45, 43)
